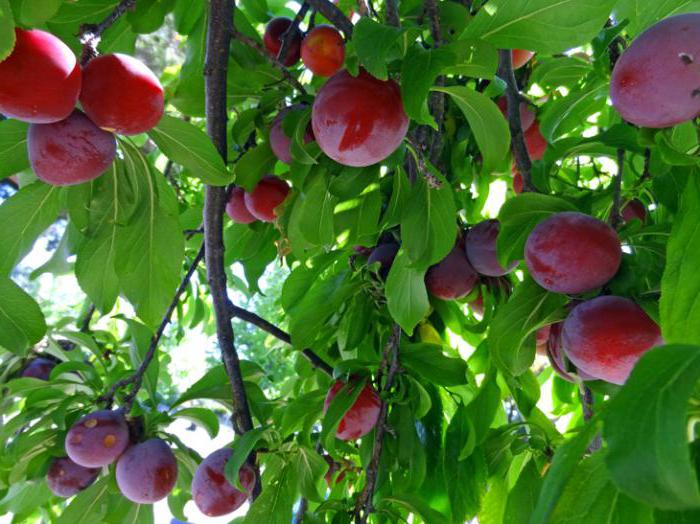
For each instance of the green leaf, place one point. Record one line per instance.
(474, 58)
(36, 12)
(564, 463)
(518, 218)
(528, 309)
(641, 15)
(483, 408)
(569, 112)
(88, 506)
(13, 146)
(406, 295)
(523, 497)
(203, 417)
(253, 165)
(149, 15)
(22, 323)
(189, 146)
(242, 448)
(316, 216)
(373, 42)
(428, 228)
(680, 284)
(419, 70)
(590, 497)
(279, 492)
(486, 122)
(544, 26)
(650, 460)
(310, 470)
(428, 361)
(7, 29)
(151, 249)
(32, 209)
(415, 505)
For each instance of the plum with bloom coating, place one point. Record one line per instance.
(147, 472)
(66, 478)
(97, 439)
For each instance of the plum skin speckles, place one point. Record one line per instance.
(85, 441)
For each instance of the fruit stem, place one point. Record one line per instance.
(288, 35)
(91, 34)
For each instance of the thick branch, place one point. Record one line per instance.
(289, 77)
(90, 34)
(615, 217)
(520, 152)
(390, 366)
(136, 378)
(269, 327)
(335, 15)
(288, 35)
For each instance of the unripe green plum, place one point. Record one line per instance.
(147, 472)
(40, 80)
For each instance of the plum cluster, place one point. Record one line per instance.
(41, 82)
(573, 253)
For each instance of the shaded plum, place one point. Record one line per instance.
(147, 472)
(270, 193)
(385, 255)
(572, 253)
(521, 57)
(655, 82)
(605, 337)
(236, 208)
(279, 141)
(121, 94)
(362, 416)
(453, 277)
(358, 121)
(71, 151)
(40, 80)
(97, 439)
(535, 142)
(272, 39)
(634, 210)
(39, 368)
(481, 249)
(323, 50)
(212, 493)
(66, 478)
(527, 115)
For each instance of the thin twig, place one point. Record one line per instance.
(219, 35)
(269, 327)
(520, 152)
(615, 217)
(91, 34)
(436, 102)
(87, 318)
(335, 15)
(136, 378)
(288, 35)
(388, 366)
(289, 77)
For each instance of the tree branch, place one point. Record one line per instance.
(436, 101)
(91, 34)
(136, 378)
(250, 42)
(87, 318)
(392, 13)
(390, 366)
(615, 217)
(269, 327)
(517, 139)
(335, 15)
(291, 30)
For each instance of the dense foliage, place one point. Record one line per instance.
(487, 305)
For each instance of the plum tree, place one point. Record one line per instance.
(521, 57)
(634, 210)
(213, 494)
(358, 121)
(121, 94)
(236, 208)
(655, 82)
(604, 337)
(268, 194)
(527, 115)
(323, 50)
(571, 252)
(147, 472)
(97, 439)
(535, 142)
(480, 247)
(40, 80)
(453, 277)
(279, 141)
(65, 478)
(384, 254)
(362, 415)
(39, 368)
(71, 151)
(272, 39)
